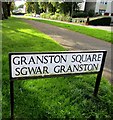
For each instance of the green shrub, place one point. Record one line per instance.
(79, 14)
(45, 15)
(91, 13)
(28, 14)
(67, 18)
(105, 21)
(48, 15)
(56, 16)
(61, 17)
(53, 17)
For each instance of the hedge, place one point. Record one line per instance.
(104, 21)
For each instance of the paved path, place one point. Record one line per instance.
(75, 41)
(107, 28)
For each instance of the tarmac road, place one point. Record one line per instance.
(76, 41)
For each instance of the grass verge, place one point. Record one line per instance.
(0, 69)
(63, 97)
(96, 33)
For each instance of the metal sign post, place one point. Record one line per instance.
(12, 98)
(11, 91)
(99, 75)
(51, 64)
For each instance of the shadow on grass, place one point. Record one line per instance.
(29, 43)
(70, 97)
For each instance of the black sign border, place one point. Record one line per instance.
(52, 75)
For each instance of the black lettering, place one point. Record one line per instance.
(90, 67)
(46, 60)
(94, 57)
(16, 60)
(95, 66)
(85, 65)
(76, 67)
(31, 60)
(79, 58)
(99, 57)
(32, 70)
(24, 71)
(73, 58)
(45, 69)
(62, 68)
(23, 60)
(18, 71)
(69, 69)
(64, 59)
(84, 58)
(39, 70)
(80, 67)
(51, 59)
(57, 59)
(56, 69)
(89, 58)
(39, 59)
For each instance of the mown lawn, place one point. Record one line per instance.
(62, 97)
(100, 34)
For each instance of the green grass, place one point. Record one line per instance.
(96, 33)
(62, 97)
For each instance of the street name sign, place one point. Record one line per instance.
(27, 65)
(48, 64)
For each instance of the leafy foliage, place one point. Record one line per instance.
(56, 16)
(104, 21)
(65, 8)
(80, 14)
